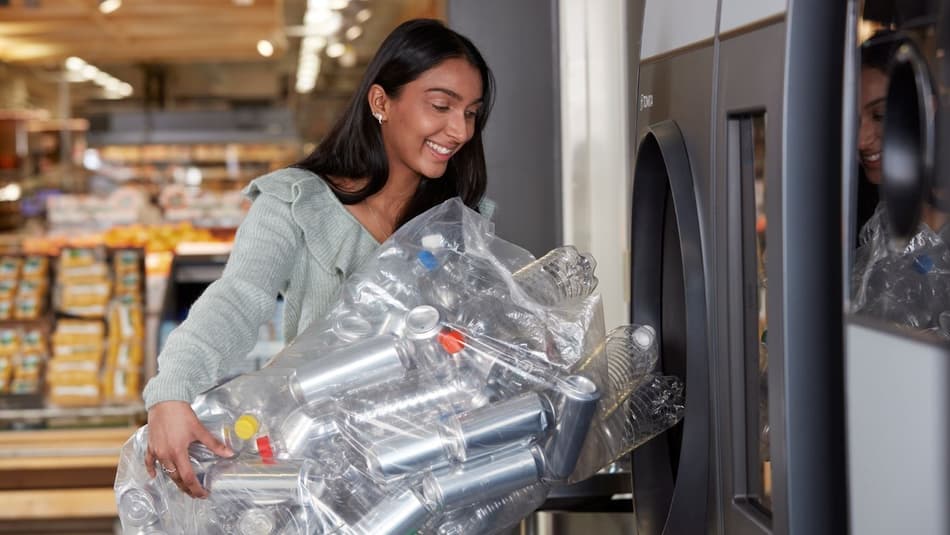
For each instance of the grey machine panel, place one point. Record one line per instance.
(898, 432)
(761, 51)
(670, 221)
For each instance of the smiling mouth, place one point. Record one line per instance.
(873, 158)
(439, 149)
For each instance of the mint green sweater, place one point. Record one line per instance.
(297, 241)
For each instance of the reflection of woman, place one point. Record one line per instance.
(876, 55)
(910, 286)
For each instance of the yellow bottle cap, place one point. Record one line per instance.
(246, 426)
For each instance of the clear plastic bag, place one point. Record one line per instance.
(909, 285)
(453, 384)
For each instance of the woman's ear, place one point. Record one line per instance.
(378, 102)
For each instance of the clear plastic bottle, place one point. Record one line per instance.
(560, 276)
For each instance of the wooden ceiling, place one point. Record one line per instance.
(46, 31)
(206, 47)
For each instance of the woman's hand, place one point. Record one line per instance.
(172, 427)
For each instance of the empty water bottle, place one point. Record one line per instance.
(558, 277)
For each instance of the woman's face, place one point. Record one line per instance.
(873, 92)
(430, 120)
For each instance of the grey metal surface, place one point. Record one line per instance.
(898, 395)
(522, 139)
(669, 291)
(678, 88)
(760, 51)
(811, 251)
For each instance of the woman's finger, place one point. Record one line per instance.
(188, 480)
(150, 463)
(172, 472)
(217, 447)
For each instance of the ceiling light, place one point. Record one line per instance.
(102, 78)
(305, 85)
(335, 50)
(89, 71)
(243, 2)
(10, 193)
(74, 64)
(364, 14)
(265, 48)
(108, 6)
(348, 59)
(338, 4)
(353, 32)
(312, 45)
(322, 21)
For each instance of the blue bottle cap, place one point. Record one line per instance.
(428, 260)
(923, 264)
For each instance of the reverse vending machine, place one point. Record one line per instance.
(804, 413)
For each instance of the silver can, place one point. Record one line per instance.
(256, 483)
(423, 322)
(365, 363)
(577, 403)
(482, 479)
(521, 418)
(400, 454)
(300, 433)
(404, 513)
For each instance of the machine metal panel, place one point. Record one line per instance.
(762, 52)
(666, 29)
(670, 288)
(898, 433)
(737, 13)
(813, 331)
(680, 88)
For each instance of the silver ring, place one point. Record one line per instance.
(168, 470)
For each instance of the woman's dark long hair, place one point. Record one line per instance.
(354, 147)
(876, 53)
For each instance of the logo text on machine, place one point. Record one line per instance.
(646, 101)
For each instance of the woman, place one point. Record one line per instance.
(409, 139)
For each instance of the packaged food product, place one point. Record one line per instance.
(10, 267)
(9, 342)
(6, 374)
(35, 267)
(120, 385)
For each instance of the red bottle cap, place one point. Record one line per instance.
(451, 340)
(263, 447)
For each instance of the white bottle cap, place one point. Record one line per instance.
(433, 241)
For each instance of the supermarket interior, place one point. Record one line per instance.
(695, 278)
(127, 132)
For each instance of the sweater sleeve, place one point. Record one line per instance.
(224, 322)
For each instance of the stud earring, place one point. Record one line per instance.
(378, 116)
